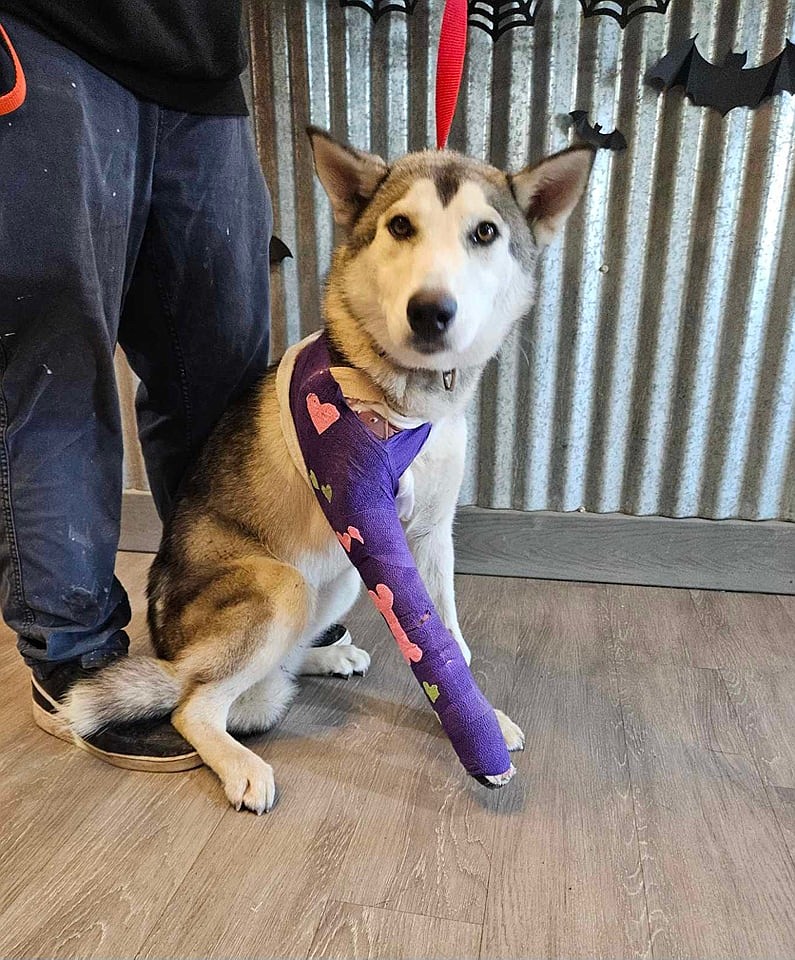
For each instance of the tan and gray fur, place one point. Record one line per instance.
(249, 570)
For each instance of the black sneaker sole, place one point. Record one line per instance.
(345, 640)
(47, 716)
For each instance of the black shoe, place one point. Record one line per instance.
(152, 745)
(336, 636)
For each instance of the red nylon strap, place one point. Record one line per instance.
(449, 66)
(16, 95)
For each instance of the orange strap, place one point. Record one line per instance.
(16, 95)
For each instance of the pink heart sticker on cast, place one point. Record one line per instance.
(348, 537)
(321, 414)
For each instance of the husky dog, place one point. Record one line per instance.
(436, 269)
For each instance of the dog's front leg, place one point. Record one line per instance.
(333, 602)
(433, 553)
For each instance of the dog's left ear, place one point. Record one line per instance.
(350, 177)
(548, 192)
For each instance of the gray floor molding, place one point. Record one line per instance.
(613, 548)
(140, 524)
(607, 548)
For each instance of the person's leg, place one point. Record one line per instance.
(76, 163)
(71, 185)
(196, 320)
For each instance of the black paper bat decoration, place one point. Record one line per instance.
(593, 133)
(622, 10)
(377, 8)
(725, 86)
(278, 251)
(497, 18)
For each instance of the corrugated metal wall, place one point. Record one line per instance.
(657, 375)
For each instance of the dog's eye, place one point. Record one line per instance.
(484, 233)
(400, 227)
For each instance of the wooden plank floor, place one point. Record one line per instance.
(653, 814)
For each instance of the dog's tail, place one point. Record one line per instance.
(134, 688)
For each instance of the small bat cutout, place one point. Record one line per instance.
(593, 133)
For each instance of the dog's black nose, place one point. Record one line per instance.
(430, 313)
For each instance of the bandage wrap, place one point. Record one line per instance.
(355, 477)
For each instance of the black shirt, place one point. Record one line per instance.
(182, 54)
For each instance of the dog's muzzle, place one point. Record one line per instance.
(430, 314)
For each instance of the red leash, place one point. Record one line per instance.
(449, 66)
(16, 95)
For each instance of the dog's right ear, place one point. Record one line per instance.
(548, 192)
(350, 177)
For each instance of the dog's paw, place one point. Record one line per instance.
(499, 780)
(249, 784)
(342, 661)
(347, 661)
(513, 734)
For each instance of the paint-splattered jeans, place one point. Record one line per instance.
(120, 221)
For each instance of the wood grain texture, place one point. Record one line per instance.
(566, 632)
(44, 792)
(45, 795)
(565, 877)
(789, 606)
(783, 800)
(719, 882)
(698, 709)
(765, 704)
(109, 879)
(350, 932)
(15, 686)
(614, 548)
(743, 631)
(102, 848)
(134, 575)
(654, 625)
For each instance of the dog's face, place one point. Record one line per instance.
(443, 274)
(439, 260)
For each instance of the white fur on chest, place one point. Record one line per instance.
(437, 473)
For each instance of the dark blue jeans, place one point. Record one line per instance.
(120, 222)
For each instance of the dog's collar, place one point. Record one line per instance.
(338, 359)
(382, 428)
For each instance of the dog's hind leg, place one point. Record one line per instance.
(263, 705)
(251, 617)
(247, 779)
